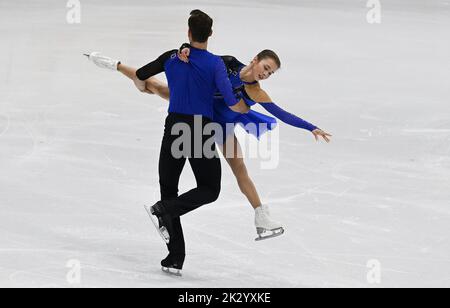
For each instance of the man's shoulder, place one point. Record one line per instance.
(171, 54)
(213, 56)
(212, 59)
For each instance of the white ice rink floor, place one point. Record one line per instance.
(79, 146)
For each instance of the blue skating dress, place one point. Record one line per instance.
(254, 123)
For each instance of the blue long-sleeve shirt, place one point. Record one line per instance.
(192, 85)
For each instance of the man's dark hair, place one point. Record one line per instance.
(200, 25)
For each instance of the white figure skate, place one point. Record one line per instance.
(265, 227)
(103, 61)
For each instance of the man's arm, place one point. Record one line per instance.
(151, 69)
(154, 67)
(152, 85)
(225, 88)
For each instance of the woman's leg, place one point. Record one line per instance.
(158, 87)
(237, 164)
(128, 71)
(153, 85)
(265, 226)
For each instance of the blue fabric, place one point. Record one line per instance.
(192, 85)
(223, 114)
(254, 123)
(287, 117)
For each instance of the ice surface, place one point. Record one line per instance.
(79, 146)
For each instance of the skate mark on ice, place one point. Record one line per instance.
(373, 118)
(338, 195)
(384, 257)
(6, 126)
(37, 272)
(368, 257)
(223, 238)
(309, 191)
(105, 114)
(426, 131)
(34, 141)
(309, 252)
(114, 166)
(40, 272)
(337, 172)
(115, 270)
(364, 266)
(440, 282)
(380, 238)
(13, 276)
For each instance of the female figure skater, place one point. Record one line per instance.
(245, 79)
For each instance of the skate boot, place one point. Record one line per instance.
(172, 267)
(162, 222)
(265, 227)
(102, 61)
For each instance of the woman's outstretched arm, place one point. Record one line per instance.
(261, 97)
(295, 121)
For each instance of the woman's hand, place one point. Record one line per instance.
(320, 133)
(183, 55)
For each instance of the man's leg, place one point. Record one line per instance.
(208, 174)
(170, 170)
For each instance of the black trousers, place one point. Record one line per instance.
(207, 173)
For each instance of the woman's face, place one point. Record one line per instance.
(264, 68)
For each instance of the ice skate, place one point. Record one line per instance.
(265, 227)
(172, 271)
(171, 267)
(102, 61)
(159, 225)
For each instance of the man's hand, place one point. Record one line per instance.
(320, 133)
(241, 107)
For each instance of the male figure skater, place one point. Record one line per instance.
(192, 86)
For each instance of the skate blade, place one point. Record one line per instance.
(275, 233)
(85, 54)
(162, 231)
(172, 271)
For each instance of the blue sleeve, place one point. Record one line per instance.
(287, 117)
(224, 84)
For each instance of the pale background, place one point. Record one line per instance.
(79, 146)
